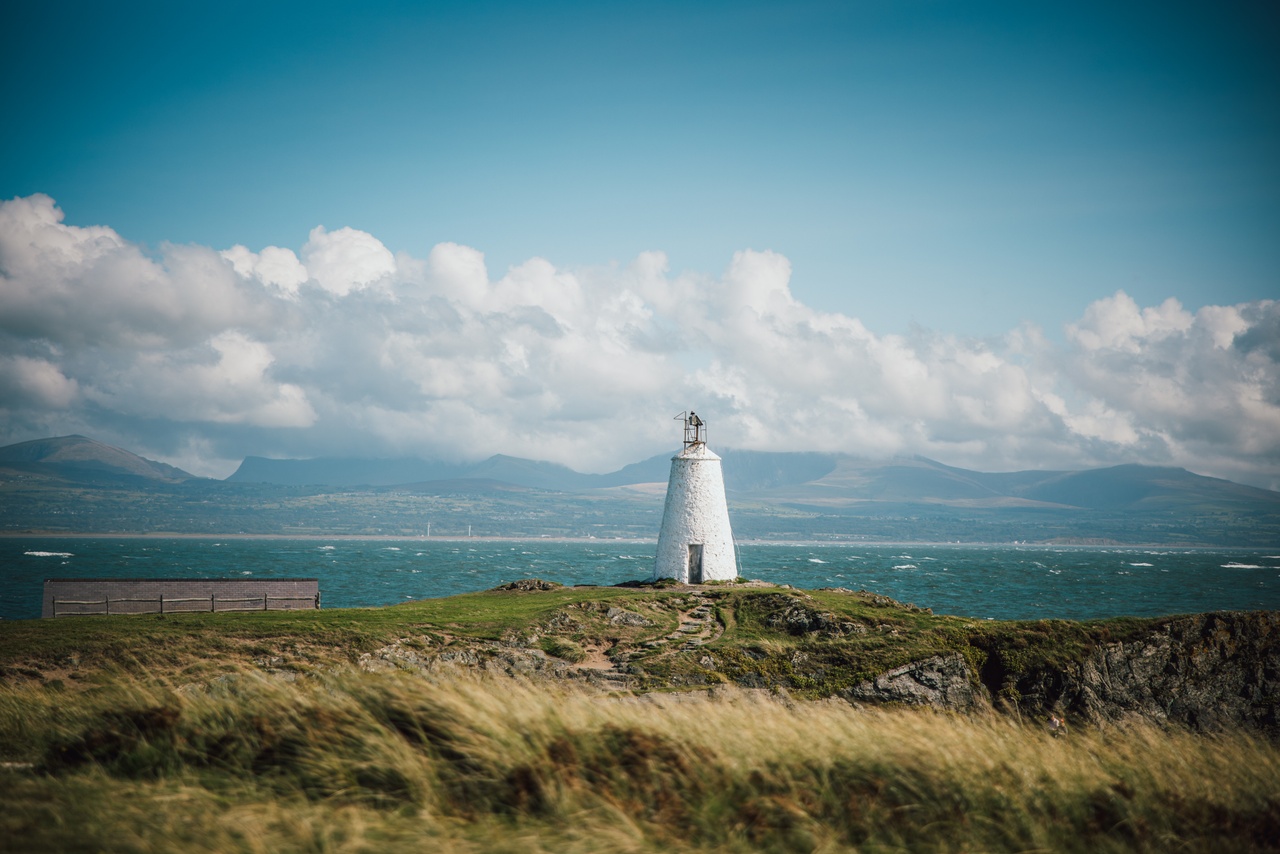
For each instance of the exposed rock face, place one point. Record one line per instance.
(623, 617)
(1206, 671)
(795, 618)
(943, 680)
(529, 585)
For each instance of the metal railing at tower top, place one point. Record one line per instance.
(695, 429)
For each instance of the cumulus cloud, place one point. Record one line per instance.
(226, 380)
(272, 266)
(344, 348)
(346, 259)
(88, 287)
(35, 382)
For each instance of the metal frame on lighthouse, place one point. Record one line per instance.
(695, 544)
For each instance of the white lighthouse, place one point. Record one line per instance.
(695, 544)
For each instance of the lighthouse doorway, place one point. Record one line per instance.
(695, 563)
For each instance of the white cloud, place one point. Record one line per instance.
(36, 382)
(346, 259)
(272, 266)
(235, 353)
(226, 380)
(1116, 323)
(459, 274)
(89, 287)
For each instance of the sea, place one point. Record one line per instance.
(1001, 582)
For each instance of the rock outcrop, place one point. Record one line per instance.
(942, 680)
(529, 585)
(793, 616)
(1206, 672)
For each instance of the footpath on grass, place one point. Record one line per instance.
(1204, 672)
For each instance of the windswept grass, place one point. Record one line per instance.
(352, 761)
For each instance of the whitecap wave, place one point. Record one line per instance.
(816, 560)
(326, 548)
(1142, 564)
(49, 554)
(1234, 565)
(906, 566)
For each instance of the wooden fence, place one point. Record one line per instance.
(85, 597)
(255, 603)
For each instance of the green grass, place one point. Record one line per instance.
(352, 761)
(255, 732)
(814, 644)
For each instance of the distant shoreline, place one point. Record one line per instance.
(407, 538)
(164, 535)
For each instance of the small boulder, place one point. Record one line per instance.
(942, 681)
(623, 617)
(529, 585)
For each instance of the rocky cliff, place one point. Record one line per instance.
(1206, 671)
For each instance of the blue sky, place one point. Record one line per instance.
(927, 169)
(958, 165)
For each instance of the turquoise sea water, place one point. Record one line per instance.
(1000, 582)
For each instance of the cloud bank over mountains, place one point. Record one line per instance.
(199, 357)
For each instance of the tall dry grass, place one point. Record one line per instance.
(358, 762)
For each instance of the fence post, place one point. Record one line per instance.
(106, 600)
(213, 598)
(264, 601)
(161, 603)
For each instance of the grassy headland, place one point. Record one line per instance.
(404, 728)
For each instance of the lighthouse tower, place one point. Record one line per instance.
(695, 544)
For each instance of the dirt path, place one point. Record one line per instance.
(697, 627)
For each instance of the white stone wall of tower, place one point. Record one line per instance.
(696, 513)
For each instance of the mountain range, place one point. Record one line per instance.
(772, 495)
(817, 479)
(80, 459)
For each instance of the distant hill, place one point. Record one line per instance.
(78, 458)
(743, 471)
(340, 471)
(74, 484)
(1130, 487)
(807, 479)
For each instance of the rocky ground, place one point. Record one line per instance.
(1204, 672)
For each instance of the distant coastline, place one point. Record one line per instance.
(1084, 545)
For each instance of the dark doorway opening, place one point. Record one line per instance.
(695, 563)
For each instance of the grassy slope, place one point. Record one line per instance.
(863, 635)
(142, 733)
